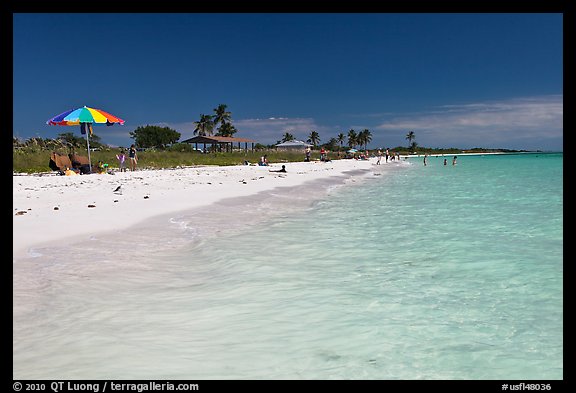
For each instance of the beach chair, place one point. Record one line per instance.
(81, 163)
(59, 162)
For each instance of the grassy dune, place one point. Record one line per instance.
(37, 161)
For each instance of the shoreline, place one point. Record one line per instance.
(49, 209)
(59, 210)
(478, 154)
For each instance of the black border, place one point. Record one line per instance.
(235, 6)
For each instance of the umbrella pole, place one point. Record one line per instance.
(88, 144)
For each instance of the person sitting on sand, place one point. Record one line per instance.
(100, 167)
(70, 172)
(263, 160)
(283, 169)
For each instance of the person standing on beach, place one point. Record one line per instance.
(387, 154)
(121, 160)
(133, 157)
(307, 158)
(379, 157)
(425, 157)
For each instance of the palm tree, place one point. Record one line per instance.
(410, 136)
(314, 138)
(331, 144)
(287, 137)
(221, 115)
(364, 137)
(226, 129)
(340, 138)
(352, 138)
(204, 126)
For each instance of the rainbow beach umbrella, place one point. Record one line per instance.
(74, 117)
(85, 117)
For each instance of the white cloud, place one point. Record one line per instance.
(523, 121)
(270, 130)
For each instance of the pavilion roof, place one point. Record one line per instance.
(216, 139)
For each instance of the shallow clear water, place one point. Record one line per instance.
(436, 272)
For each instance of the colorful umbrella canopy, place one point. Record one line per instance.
(85, 117)
(74, 117)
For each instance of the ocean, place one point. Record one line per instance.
(402, 272)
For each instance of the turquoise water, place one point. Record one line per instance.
(436, 272)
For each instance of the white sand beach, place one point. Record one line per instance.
(50, 209)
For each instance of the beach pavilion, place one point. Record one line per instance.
(225, 143)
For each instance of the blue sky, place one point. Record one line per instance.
(466, 80)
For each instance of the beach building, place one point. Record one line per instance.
(225, 143)
(293, 145)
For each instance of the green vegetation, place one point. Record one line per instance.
(159, 147)
(154, 136)
(35, 160)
